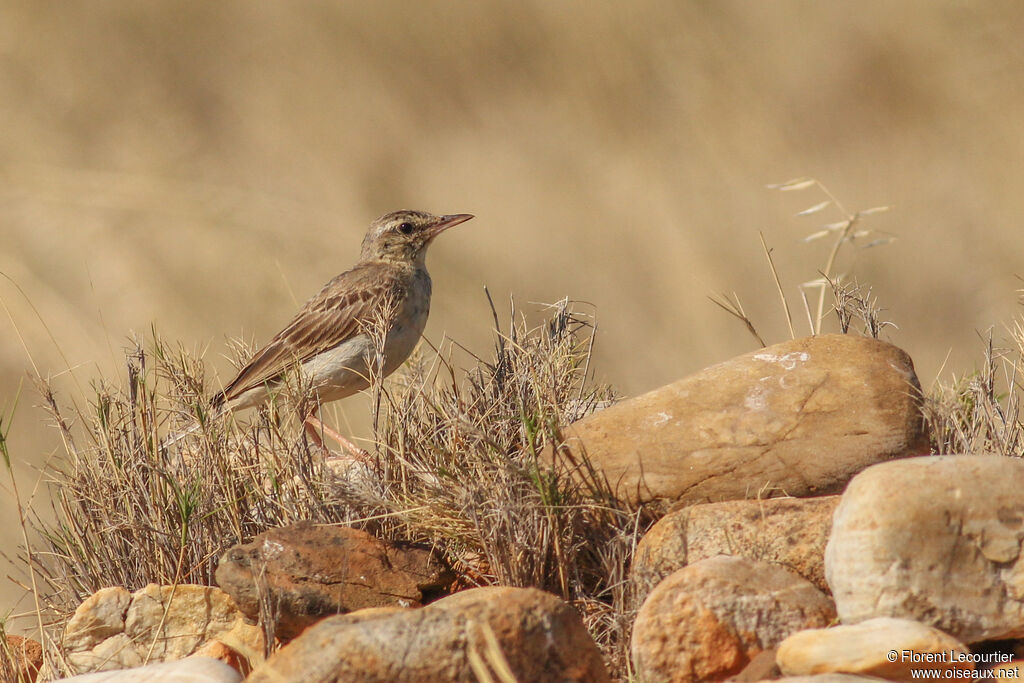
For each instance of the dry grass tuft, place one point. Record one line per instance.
(980, 412)
(850, 301)
(464, 462)
(458, 460)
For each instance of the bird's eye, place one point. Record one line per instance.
(405, 228)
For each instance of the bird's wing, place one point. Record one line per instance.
(344, 308)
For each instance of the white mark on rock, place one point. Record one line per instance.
(271, 548)
(660, 419)
(787, 360)
(755, 399)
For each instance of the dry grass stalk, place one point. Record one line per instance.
(852, 302)
(733, 307)
(778, 286)
(846, 232)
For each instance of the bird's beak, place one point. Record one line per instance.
(450, 221)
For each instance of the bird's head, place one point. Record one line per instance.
(403, 236)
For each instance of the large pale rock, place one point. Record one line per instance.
(798, 418)
(539, 637)
(790, 532)
(307, 572)
(113, 629)
(883, 647)
(707, 620)
(936, 540)
(191, 670)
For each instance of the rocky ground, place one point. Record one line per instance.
(805, 533)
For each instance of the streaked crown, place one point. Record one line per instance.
(404, 235)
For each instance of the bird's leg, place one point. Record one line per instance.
(314, 427)
(313, 432)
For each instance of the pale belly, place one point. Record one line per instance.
(346, 369)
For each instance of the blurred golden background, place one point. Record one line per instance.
(205, 167)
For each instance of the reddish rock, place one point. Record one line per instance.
(798, 418)
(309, 572)
(790, 532)
(531, 634)
(232, 655)
(26, 659)
(706, 621)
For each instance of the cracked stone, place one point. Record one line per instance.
(799, 418)
(99, 617)
(309, 572)
(790, 532)
(113, 629)
(935, 539)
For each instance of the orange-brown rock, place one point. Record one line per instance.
(798, 418)
(307, 572)
(791, 532)
(708, 620)
(531, 634)
(242, 662)
(26, 659)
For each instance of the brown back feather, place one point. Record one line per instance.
(339, 312)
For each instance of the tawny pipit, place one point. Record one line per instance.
(386, 293)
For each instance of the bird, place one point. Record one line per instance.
(332, 337)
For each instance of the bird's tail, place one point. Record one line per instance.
(217, 409)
